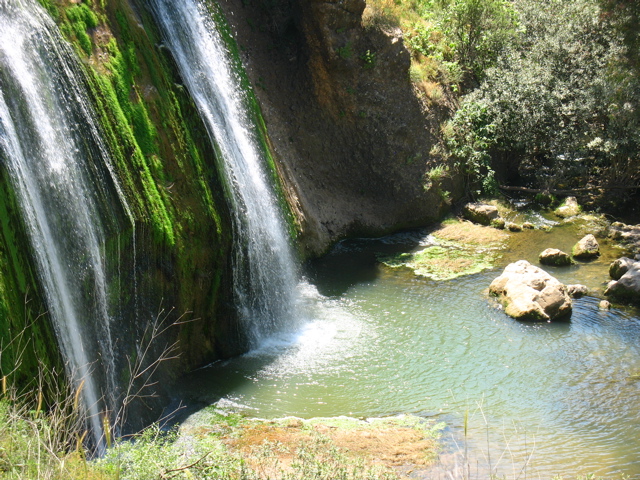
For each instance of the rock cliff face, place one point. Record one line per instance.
(351, 137)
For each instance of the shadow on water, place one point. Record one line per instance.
(355, 261)
(221, 382)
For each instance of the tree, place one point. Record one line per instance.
(560, 101)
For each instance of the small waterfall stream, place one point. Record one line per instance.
(265, 276)
(51, 145)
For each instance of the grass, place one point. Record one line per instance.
(47, 444)
(37, 442)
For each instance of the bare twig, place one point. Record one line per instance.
(180, 469)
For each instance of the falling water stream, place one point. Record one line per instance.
(52, 147)
(264, 267)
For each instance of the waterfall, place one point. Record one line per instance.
(264, 269)
(50, 144)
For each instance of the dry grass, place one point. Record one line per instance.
(390, 14)
(389, 446)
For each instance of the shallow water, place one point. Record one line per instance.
(556, 398)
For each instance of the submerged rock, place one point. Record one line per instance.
(627, 284)
(577, 290)
(442, 262)
(513, 227)
(461, 248)
(480, 213)
(555, 257)
(569, 208)
(529, 293)
(586, 248)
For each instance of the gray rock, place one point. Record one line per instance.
(577, 290)
(529, 293)
(480, 213)
(569, 208)
(555, 257)
(619, 267)
(586, 248)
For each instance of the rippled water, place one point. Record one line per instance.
(379, 342)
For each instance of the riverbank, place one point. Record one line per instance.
(217, 444)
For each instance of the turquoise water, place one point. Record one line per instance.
(557, 398)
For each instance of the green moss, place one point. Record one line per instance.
(27, 341)
(442, 262)
(462, 248)
(81, 19)
(51, 8)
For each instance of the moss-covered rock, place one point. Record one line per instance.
(555, 257)
(461, 248)
(568, 208)
(586, 248)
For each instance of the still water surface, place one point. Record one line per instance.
(379, 341)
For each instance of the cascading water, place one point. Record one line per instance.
(51, 146)
(265, 275)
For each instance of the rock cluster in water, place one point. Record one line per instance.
(529, 293)
(625, 285)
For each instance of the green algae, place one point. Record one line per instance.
(459, 248)
(445, 261)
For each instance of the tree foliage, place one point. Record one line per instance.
(560, 101)
(461, 37)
